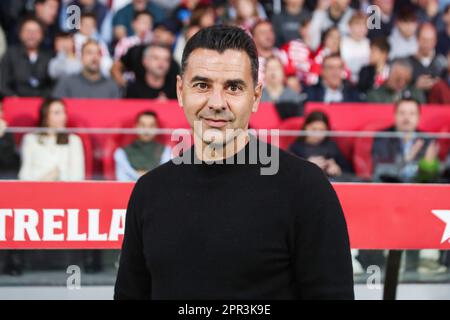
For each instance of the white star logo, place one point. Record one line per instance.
(444, 215)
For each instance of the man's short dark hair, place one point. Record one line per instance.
(381, 43)
(137, 14)
(407, 97)
(220, 38)
(31, 18)
(148, 113)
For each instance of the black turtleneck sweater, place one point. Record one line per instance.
(215, 231)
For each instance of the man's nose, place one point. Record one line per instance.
(216, 101)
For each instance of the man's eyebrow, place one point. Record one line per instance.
(236, 82)
(200, 79)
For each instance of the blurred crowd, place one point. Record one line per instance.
(323, 50)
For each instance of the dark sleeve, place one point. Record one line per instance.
(366, 78)
(6, 75)
(133, 278)
(322, 259)
(9, 159)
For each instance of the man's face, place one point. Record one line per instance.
(427, 40)
(146, 122)
(407, 117)
(399, 78)
(340, 4)
(377, 55)
(157, 61)
(407, 28)
(163, 36)
(142, 24)
(47, 11)
(31, 35)
(264, 36)
(274, 72)
(332, 70)
(88, 26)
(217, 93)
(91, 57)
(64, 44)
(294, 3)
(358, 29)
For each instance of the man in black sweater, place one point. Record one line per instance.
(199, 227)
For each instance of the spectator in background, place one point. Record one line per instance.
(330, 14)
(443, 43)
(88, 31)
(144, 153)
(23, 69)
(319, 148)
(427, 65)
(287, 23)
(408, 158)
(398, 82)
(202, 16)
(264, 38)
(440, 92)
(9, 159)
(428, 11)
(355, 48)
(65, 63)
(181, 41)
(52, 155)
(246, 14)
(165, 33)
(332, 87)
(142, 28)
(275, 89)
(297, 58)
(331, 44)
(129, 68)
(182, 14)
(403, 39)
(158, 82)
(122, 20)
(387, 19)
(376, 73)
(401, 159)
(47, 12)
(90, 83)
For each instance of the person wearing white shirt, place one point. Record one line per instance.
(52, 155)
(355, 49)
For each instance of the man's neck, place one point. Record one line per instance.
(31, 51)
(424, 55)
(91, 76)
(154, 81)
(209, 153)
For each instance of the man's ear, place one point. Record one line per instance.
(257, 96)
(180, 90)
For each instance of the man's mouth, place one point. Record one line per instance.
(215, 123)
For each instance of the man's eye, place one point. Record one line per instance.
(201, 85)
(234, 88)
